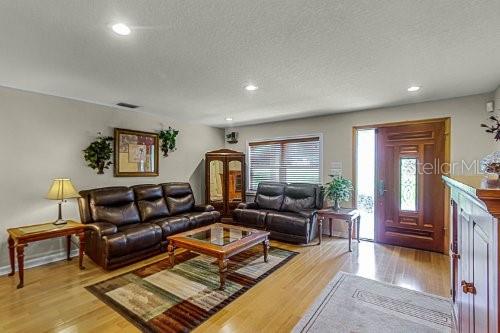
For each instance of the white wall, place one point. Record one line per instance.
(42, 137)
(469, 142)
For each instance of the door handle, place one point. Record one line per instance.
(468, 287)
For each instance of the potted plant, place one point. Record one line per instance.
(98, 153)
(168, 140)
(338, 189)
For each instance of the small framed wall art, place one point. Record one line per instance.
(136, 153)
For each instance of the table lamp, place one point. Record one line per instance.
(61, 189)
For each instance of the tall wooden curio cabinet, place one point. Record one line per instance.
(224, 180)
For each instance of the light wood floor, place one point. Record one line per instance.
(54, 299)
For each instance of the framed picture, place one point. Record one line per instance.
(136, 153)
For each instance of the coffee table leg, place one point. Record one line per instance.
(68, 247)
(12, 256)
(265, 244)
(171, 255)
(81, 252)
(222, 272)
(20, 263)
(349, 224)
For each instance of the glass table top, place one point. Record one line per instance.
(220, 235)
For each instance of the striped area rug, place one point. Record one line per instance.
(157, 298)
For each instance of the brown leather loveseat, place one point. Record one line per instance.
(127, 224)
(287, 211)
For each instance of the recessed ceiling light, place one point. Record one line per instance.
(251, 87)
(121, 29)
(414, 88)
(229, 119)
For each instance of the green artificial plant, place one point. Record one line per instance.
(338, 189)
(168, 140)
(98, 153)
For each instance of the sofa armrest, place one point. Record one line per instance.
(102, 228)
(203, 208)
(310, 214)
(248, 205)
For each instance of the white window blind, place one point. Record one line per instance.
(291, 160)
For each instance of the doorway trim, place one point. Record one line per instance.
(447, 159)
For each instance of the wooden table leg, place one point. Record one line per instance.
(320, 230)
(349, 224)
(222, 272)
(265, 244)
(81, 235)
(171, 255)
(331, 226)
(12, 256)
(68, 247)
(358, 223)
(20, 264)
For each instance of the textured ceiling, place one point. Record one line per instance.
(190, 59)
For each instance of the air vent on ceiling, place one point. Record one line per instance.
(127, 105)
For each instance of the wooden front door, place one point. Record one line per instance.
(409, 191)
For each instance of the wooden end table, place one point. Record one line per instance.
(21, 236)
(349, 215)
(220, 241)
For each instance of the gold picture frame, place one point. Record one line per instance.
(136, 153)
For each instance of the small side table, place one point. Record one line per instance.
(21, 236)
(349, 215)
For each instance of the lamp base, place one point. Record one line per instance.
(59, 222)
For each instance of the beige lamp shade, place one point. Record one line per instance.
(61, 189)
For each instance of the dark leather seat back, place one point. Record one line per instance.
(179, 196)
(300, 197)
(150, 202)
(270, 195)
(113, 205)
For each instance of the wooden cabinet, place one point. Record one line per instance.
(475, 210)
(224, 180)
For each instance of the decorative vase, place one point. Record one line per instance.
(491, 164)
(336, 205)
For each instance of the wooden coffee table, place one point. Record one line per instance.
(220, 241)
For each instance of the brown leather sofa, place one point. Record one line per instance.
(287, 211)
(127, 224)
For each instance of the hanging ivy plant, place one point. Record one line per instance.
(98, 153)
(168, 140)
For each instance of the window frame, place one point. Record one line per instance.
(281, 138)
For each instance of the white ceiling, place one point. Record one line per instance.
(190, 59)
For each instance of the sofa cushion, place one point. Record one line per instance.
(147, 192)
(113, 205)
(152, 209)
(299, 197)
(252, 218)
(172, 225)
(288, 223)
(133, 238)
(179, 197)
(270, 195)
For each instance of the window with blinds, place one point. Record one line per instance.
(292, 160)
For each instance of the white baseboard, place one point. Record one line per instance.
(33, 262)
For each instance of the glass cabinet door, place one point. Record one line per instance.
(235, 181)
(216, 173)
